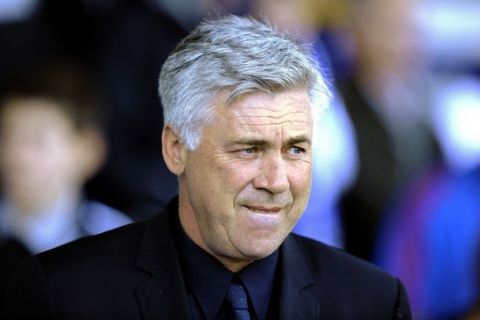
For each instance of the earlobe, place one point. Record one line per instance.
(174, 151)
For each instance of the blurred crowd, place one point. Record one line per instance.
(396, 176)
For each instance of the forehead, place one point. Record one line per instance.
(288, 109)
(32, 113)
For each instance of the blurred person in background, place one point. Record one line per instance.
(51, 143)
(430, 237)
(387, 98)
(124, 43)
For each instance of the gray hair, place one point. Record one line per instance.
(240, 54)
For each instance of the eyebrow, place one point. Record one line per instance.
(262, 142)
(299, 139)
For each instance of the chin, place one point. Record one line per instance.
(261, 248)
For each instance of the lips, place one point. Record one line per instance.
(264, 209)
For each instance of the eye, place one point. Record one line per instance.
(294, 150)
(249, 151)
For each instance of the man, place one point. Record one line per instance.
(239, 101)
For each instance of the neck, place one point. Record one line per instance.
(189, 224)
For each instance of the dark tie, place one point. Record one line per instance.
(236, 299)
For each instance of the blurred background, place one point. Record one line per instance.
(397, 168)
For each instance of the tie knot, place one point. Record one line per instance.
(236, 298)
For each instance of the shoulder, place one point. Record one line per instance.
(95, 250)
(323, 257)
(118, 247)
(349, 284)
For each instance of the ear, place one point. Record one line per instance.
(174, 151)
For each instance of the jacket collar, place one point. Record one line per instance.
(163, 295)
(295, 279)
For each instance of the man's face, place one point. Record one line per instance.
(246, 185)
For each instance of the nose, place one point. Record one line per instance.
(272, 175)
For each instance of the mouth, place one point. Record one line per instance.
(264, 209)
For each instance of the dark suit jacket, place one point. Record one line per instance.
(92, 218)
(134, 273)
(12, 252)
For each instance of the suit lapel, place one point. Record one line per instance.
(163, 295)
(295, 301)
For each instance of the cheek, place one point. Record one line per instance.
(59, 160)
(300, 177)
(238, 174)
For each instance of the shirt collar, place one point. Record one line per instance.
(258, 278)
(208, 279)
